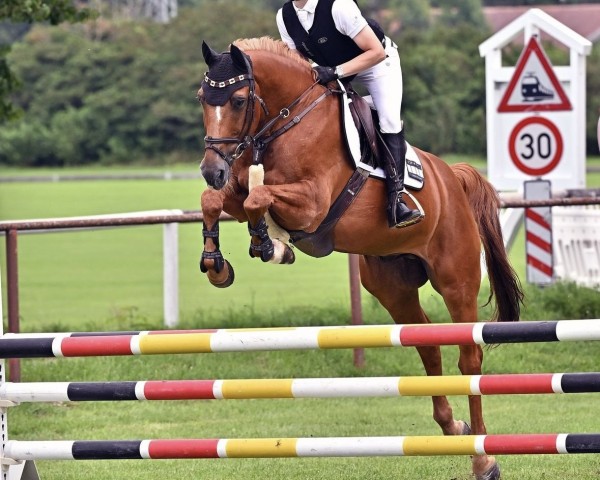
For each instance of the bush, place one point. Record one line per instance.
(562, 301)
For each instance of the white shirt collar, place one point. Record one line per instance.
(310, 6)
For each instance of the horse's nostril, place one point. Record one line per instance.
(216, 176)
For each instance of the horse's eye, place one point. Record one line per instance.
(238, 102)
(200, 96)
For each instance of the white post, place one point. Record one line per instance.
(3, 409)
(10, 469)
(171, 273)
(599, 133)
(538, 234)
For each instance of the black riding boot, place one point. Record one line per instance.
(399, 215)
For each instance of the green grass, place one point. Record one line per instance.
(190, 165)
(304, 417)
(113, 280)
(68, 279)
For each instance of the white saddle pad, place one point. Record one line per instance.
(413, 171)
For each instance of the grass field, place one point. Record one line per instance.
(115, 273)
(113, 280)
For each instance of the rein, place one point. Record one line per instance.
(261, 140)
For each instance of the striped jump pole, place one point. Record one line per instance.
(509, 384)
(298, 338)
(522, 444)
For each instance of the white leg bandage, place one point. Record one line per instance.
(256, 177)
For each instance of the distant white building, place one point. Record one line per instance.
(583, 18)
(161, 11)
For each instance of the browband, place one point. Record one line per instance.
(225, 83)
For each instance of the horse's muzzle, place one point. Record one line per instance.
(215, 171)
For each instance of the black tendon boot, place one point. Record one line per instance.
(398, 213)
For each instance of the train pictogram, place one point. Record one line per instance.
(533, 91)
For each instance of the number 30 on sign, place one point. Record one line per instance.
(536, 146)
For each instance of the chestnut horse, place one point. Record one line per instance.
(252, 96)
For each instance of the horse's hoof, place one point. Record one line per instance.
(288, 256)
(282, 253)
(228, 279)
(493, 473)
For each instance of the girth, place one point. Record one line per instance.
(320, 243)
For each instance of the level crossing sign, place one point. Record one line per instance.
(535, 112)
(534, 86)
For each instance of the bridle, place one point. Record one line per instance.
(244, 140)
(260, 139)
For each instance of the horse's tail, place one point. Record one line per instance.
(485, 204)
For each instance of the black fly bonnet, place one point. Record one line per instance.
(226, 75)
(228, 72)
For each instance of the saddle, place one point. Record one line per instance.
(364, 144)
(363, 141)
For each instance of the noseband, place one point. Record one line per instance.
(259, 140)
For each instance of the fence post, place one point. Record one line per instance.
(171, 274)
(359, 353)
(12, 297)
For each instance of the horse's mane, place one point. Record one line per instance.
(271, 45)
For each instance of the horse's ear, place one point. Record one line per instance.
(238, 58)
(209, 54)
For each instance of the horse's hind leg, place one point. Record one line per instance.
(459, 290)
(394, 281)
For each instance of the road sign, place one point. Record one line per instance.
(535, 146)
(535, 113)
(538, 234)
(534, 86)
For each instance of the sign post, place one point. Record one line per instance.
(538, 234)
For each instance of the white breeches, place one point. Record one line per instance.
(384, 83)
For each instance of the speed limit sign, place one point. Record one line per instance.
(536, 146)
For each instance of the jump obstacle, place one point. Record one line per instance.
(17, 455)
(83, 344)
(305, 447)
(351, 387)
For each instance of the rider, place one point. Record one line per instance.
(335, 35)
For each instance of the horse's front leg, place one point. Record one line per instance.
(219, 271)
(292, 202)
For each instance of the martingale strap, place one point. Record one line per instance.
(320, 242)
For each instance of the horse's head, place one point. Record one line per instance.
(228, 98)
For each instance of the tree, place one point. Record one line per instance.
(458, 12)
(118, 92)
(444, 89)
(30, 11)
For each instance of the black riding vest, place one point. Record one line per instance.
(323, 44)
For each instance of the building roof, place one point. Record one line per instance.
(582, 18)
